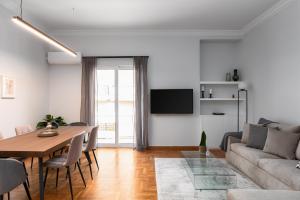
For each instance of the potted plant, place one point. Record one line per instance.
(202, 145)
(50, 119)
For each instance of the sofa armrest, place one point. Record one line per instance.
(232, 140)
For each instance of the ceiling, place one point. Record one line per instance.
(142, 14)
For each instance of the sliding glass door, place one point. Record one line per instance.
(115, 102)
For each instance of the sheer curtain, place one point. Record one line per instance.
(88, 90)
(141, 102)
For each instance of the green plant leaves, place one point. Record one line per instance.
(55, 121)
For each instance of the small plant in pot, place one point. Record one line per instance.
(202, 145)
(55, 122)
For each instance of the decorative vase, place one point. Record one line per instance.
(235, 76)
(228, 76)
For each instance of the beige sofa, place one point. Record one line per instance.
(263, 195)
(267, 170)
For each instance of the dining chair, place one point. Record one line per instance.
(12, 174)
(21, 159)
(91, 145)
(66, 160)
(24, 129)
(79, 124)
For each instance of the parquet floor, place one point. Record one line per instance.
(124, 175)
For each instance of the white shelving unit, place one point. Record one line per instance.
(220, 99)
(220, 82)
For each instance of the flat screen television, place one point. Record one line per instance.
(172, 101)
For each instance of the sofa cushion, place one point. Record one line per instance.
(248, 194)
(283, 144)
(284, 170)
(289, 128)
(252, 155)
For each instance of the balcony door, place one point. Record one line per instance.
(115, 102)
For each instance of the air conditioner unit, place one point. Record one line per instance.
(62, 58)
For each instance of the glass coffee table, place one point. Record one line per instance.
(209, 173)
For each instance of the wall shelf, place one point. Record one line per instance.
(220, 99)
(220, 82)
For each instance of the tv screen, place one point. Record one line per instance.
(172, 101)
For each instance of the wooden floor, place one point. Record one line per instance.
(124, 174)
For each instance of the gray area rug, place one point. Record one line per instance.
(173, 182)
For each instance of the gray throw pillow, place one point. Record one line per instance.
(257, 136)
(282, 144)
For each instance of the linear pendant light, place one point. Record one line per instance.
(22, 23)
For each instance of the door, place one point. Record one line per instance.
(115, 102)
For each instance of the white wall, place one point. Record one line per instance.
(217, 58)
(22, 56)
(173, 63)
(65, 91)
(270, 55)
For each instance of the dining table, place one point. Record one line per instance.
(31, 145)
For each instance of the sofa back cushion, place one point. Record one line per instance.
(289, 128)
(283, 144)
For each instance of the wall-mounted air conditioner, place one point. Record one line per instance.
(62, 58)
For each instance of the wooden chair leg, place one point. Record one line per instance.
(87, 155)
(27, 190)
(26, 174)
(95, 158)
(70, 182)
(31, 162)
(46, 175)
(81, 174)
(57, 172)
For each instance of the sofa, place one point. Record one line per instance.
(263, 195)
(269, 171)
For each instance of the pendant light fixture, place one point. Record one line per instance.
(32, 29)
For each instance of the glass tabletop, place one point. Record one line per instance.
(206, 164)
(207, 172)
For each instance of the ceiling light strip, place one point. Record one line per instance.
(22, 23)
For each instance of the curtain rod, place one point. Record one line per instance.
(110, 56)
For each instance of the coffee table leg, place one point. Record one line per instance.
(41, 177)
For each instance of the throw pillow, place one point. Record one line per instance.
(281, 143)
(246, 131)
(257, 136)
(266, 122)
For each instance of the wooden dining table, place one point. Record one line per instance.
(30, 145)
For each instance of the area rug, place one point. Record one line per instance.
(173, 182)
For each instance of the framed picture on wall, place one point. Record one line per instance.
(8, 89)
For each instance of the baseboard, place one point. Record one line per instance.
(174, 148)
